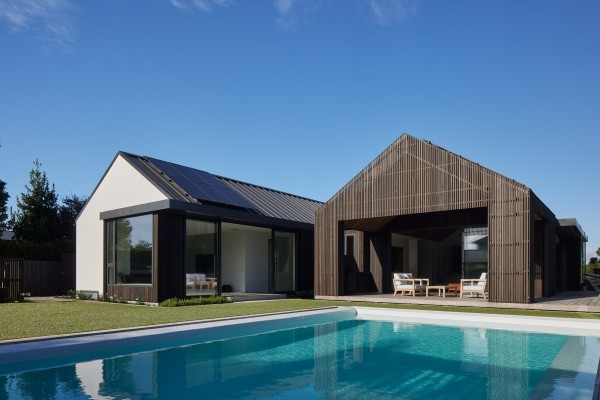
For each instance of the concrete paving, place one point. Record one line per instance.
(565, 301)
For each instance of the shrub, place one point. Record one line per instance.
(305, 294)
(195, 301)
(112, 299)
(84, 296)
(594, 269)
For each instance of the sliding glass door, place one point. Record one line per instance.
(284, 259)
(200, 250)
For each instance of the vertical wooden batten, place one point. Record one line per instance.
(413, 176)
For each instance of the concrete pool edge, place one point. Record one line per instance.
(35, 348)
(149, 327)
(553, 325)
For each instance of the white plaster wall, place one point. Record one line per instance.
(257, 261)
(122, 186)
(233, 259)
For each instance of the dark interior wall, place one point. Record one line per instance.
(437, 262)
(572, 250)
(379, 251)
(550, 276)
(306, 270)
(544, 251)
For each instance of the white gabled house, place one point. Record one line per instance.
(153, 230)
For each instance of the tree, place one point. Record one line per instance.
(593, 260)
(36, 218)
(67, 214)
(3, 211)
(598, 251)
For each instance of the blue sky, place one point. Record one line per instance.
(282, 93)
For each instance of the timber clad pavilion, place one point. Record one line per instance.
(422, 209)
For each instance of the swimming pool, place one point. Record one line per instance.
(328, 354)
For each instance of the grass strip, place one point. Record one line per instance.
(29, 319)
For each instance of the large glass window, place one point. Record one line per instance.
(129, 251)
(200, 244)
(475, 252)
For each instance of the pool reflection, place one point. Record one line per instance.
(348, 359)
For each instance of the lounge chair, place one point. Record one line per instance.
(405, 283)
(198, 281)
(474, 286)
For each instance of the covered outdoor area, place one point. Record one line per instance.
(443, 247)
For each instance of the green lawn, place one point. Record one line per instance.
(24, 320)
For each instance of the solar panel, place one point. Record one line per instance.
(200, 185)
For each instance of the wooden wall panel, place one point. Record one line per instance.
(144, 293)
(49, 278)
(413, 176)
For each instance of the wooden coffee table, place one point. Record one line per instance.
(440, 288)
(454, 287)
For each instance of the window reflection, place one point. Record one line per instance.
(475, 252)
(129, 250)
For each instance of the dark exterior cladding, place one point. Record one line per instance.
(213, 192)
(412, 177)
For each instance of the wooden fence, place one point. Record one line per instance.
(49, 278)
(38, 278)
(11, 278)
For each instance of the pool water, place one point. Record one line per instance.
(351, 359)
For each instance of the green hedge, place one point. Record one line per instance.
(47, 251)
(195, 301)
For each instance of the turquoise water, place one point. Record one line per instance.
(351, 359)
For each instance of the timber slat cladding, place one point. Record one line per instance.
(413, 176)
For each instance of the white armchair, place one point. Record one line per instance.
(474, 286)
(198, 281)
(405, 283)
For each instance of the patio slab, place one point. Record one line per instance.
(566, 301)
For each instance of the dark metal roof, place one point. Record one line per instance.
(182, 183)
(571, 227)
(274, 203)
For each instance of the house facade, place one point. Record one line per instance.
(422, 209)
(154, 230)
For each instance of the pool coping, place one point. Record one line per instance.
(553, 325)
(36, 348)
(146, 327)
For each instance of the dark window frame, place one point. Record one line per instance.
(111, 279)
